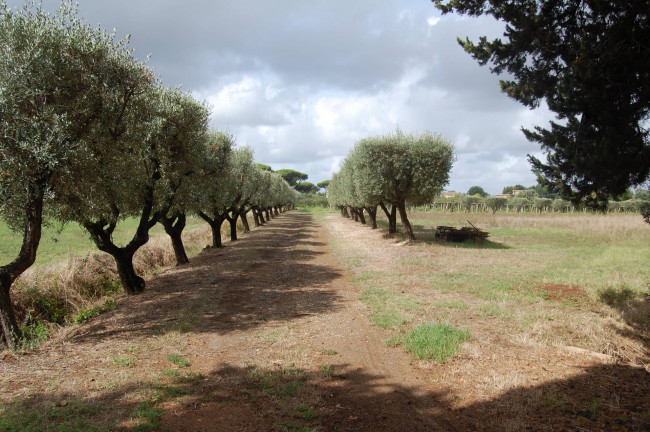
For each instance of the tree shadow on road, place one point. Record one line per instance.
(270, 275)
(335, 397)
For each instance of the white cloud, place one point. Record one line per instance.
(432, 21)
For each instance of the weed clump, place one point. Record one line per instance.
(435, 341)
(86, 314)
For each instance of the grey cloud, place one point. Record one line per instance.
(353, 58)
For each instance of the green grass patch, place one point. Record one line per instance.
(391, 309)
(315, 209)
(59, 243)
(617, 296)
(149, 415)
(327, 370)
(86, 314)
(435, 341)
(35, 332)
(388, 319)
(124, 361)
(178, 360)
(75, 416)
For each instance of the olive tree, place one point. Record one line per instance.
(188, 143)
(230, 192)
(262, 197)
(496, 203)
(216, 191)
(400, 167)
(59, 81)
(244, 178)
(136, 161)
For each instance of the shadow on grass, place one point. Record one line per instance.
(635, 310)
(336, 397)
(427, 235)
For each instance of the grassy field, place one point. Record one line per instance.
(595, 252)
(57, 244)
(557, 279)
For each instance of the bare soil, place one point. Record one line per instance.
(276, 339)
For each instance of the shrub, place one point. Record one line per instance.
(644, 209)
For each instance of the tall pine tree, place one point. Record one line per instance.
(590, 61)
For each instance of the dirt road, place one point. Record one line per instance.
(269, 334)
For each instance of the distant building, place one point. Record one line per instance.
(503, 195)
(516, 192)
(449, 194)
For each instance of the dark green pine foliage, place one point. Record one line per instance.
(590, 61)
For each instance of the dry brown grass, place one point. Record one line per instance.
(507, 285)
(58, 292)
(613, 226)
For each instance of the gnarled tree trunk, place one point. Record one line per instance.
(174, 226)
(359, 211)
(391, 216)
(372, 212)
(244, 220)
(215, 225)
(233, 225)
(401, 206)
(11, 332)
(102, 234)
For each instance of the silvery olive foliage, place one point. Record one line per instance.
(59, 83)
(89, 135)
(393, 169)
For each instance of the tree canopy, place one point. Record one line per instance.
(590, 62)
(509, 189)
(477, 190)
(324, 184)
(306, 187)
(292, 177)
(390, 170)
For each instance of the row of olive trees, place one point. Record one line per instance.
(89, 135)
(387, 171)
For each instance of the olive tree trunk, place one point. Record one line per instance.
(244, 220)
(11, 332)
(401, 206)
(372, 213)
(102, 234)
(362, 218)
(391, 216)
(233, 224)
(215, 223)
(174, 227)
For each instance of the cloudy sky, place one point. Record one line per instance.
(301, 81)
